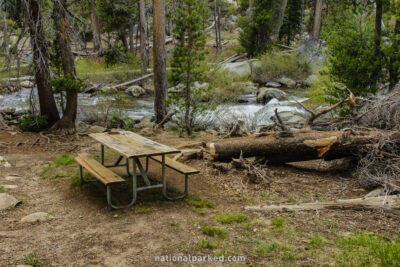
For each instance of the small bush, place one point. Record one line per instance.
(278, 222)
(32, 123)
(230, 218)
(315, 242)
(2, 189)
(33, 260)
(214, 231)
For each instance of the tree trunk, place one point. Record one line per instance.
(250, 4)
(394, 70)
(317, 19)
(124, 40)
(40, 60)
(6, 43)
(69, 116)
(300, 147)
(217, 26)
(144, 52)
(280, 12)
(160, 72)
(378, 28)
(131, 38)
(95, 26)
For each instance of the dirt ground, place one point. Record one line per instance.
(84, 231)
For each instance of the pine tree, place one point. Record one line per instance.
(188, 57)
(291, 22)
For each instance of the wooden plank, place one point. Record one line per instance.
(177, 166)
(132, 145)
(105, 175)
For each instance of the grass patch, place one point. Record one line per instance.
(200, 211)
(32, 259)
(173, 224)
(214, 231)
(230, 218)
(76, 180)
(265, 248)
(197, 202)
(139, 210)
(207, 244)
(63, 160)
(367, 249)
(315, 242)
(245, 198)
(2, 190)
(278, 222)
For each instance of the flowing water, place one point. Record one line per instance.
(94, 107)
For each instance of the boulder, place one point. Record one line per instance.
(26, 84)
(36, 217)
(233, 18)
(135, 91)
(311, 80)
(265, 94)
(291, 117)
(147, 131)
(287, 82)
(311, 52)
(81, 127)
(239, 69)
(273, 84)
(7, 201)
(96, 129)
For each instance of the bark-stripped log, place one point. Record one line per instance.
(302, 146)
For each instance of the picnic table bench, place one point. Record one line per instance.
(132, 147)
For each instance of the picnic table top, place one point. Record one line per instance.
(132, 145)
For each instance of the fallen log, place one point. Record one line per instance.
(382, 202)
(301, 146)
(134, 81)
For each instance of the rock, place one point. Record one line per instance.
(12, 177)
(291, 117)
(135, 91)
(10, 186)
(7, 201)
(311, 80)
(26, 84)
(81, 127)
(8, 111)
(37, 217)
(311, 52)
(273, 84)
(96, 129)
(266, 94)
(287, 82)
(239, 69)
(239, 30)
(234, 18)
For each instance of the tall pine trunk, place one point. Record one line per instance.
(67, 122)
(95, 26)
(144, 52)
(280, 12)
(160, 72)
(132, 38)
(218, 44)
(6, 42)
(317, 19)
(40, 60)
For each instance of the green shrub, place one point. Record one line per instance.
(264, 248)
(207, 244)
(33, 260)
(198, 202)
(32, 123)
(277, 64)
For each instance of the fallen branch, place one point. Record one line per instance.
(318, 113)
(382, 202)
(134, 81)
(286, 131)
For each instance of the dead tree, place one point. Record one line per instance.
(160, 65)
(33, 18)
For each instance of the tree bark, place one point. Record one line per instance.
(39, 45)
(317, 19)
(95, 26)
(6, 43)
(69, 115)
(250, 4)
(217, 20)
(302, 146)
(144, 52)
(393, 70)
(160, 71)
(280, 12)
(378, 28)
(132, 38)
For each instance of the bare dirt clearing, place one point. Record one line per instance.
(83, 231)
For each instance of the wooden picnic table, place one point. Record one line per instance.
(132, 147)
